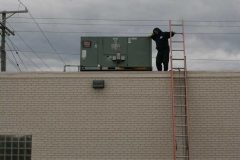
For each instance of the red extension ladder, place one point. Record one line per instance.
(179, 93)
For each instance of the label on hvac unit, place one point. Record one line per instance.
(115, 45)
(84, 54)
(131, 39)
(95, 45)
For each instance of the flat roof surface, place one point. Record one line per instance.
(111, 74)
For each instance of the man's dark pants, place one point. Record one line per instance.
(162, 58)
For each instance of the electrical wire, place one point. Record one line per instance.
(230, 60)
(140, 20)
(37, 68)
(119, 33)
(45, 36)
(15, 59)
(21, 3)
(43, 33)
(127, 25)
(140, 25)
(194, 59)
(33, 51)
(92, 19)
(44, 52)
(19, 57)
(16, 49)
(20, 37)
(201, 59)
(21, 61)
(92, 24)
(12, 62)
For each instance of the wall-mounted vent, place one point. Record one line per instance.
(98, 84)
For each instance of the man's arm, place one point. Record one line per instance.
(170, 34)
(153, 36)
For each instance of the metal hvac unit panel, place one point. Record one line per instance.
(139, 52)
(89, 54)
(116, 53)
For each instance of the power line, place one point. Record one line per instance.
(12, 13)
(16, 62)
(44, 52)
(93, 24)
(196, 59)
(214, 21)
(45, 36)
(127, 25)
(90, 19)
(17, 50)
(212, 33)
(32, 50)
(12, 62)
(21, 60)
(71, 23)
(110, 19)
(86, 32)
(201, 59)
(6, 31)
(198, 33)
(14, 47)
(15, 59)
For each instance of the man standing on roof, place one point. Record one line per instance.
(162, 46)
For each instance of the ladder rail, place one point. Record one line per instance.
(183, 113)
(173, 98)
(183, 34)
(186, 109)
(186, 90)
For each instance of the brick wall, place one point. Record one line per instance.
(129, 119)
(214, 116)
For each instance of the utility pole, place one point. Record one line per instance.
(3, 51)
(6, 31)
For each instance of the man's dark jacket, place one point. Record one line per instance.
(162, 40)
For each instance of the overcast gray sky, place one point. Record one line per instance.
(212, 29)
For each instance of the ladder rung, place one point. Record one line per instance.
(179, 33)
(176, 24)
(181, 115)
(177, 50)
(178, 59)
(180, 105)
(177, 41)
(182, 146)
(181, 125)
(181, 135)
(181, 156)
(180, 86)
(183, 95)
(179, 68)
(178, 77)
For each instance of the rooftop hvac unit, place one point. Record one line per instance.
(116, 53)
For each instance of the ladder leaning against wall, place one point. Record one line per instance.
(179, 93)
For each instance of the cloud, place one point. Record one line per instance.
(199, 46)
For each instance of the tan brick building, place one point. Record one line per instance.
(66, 119)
